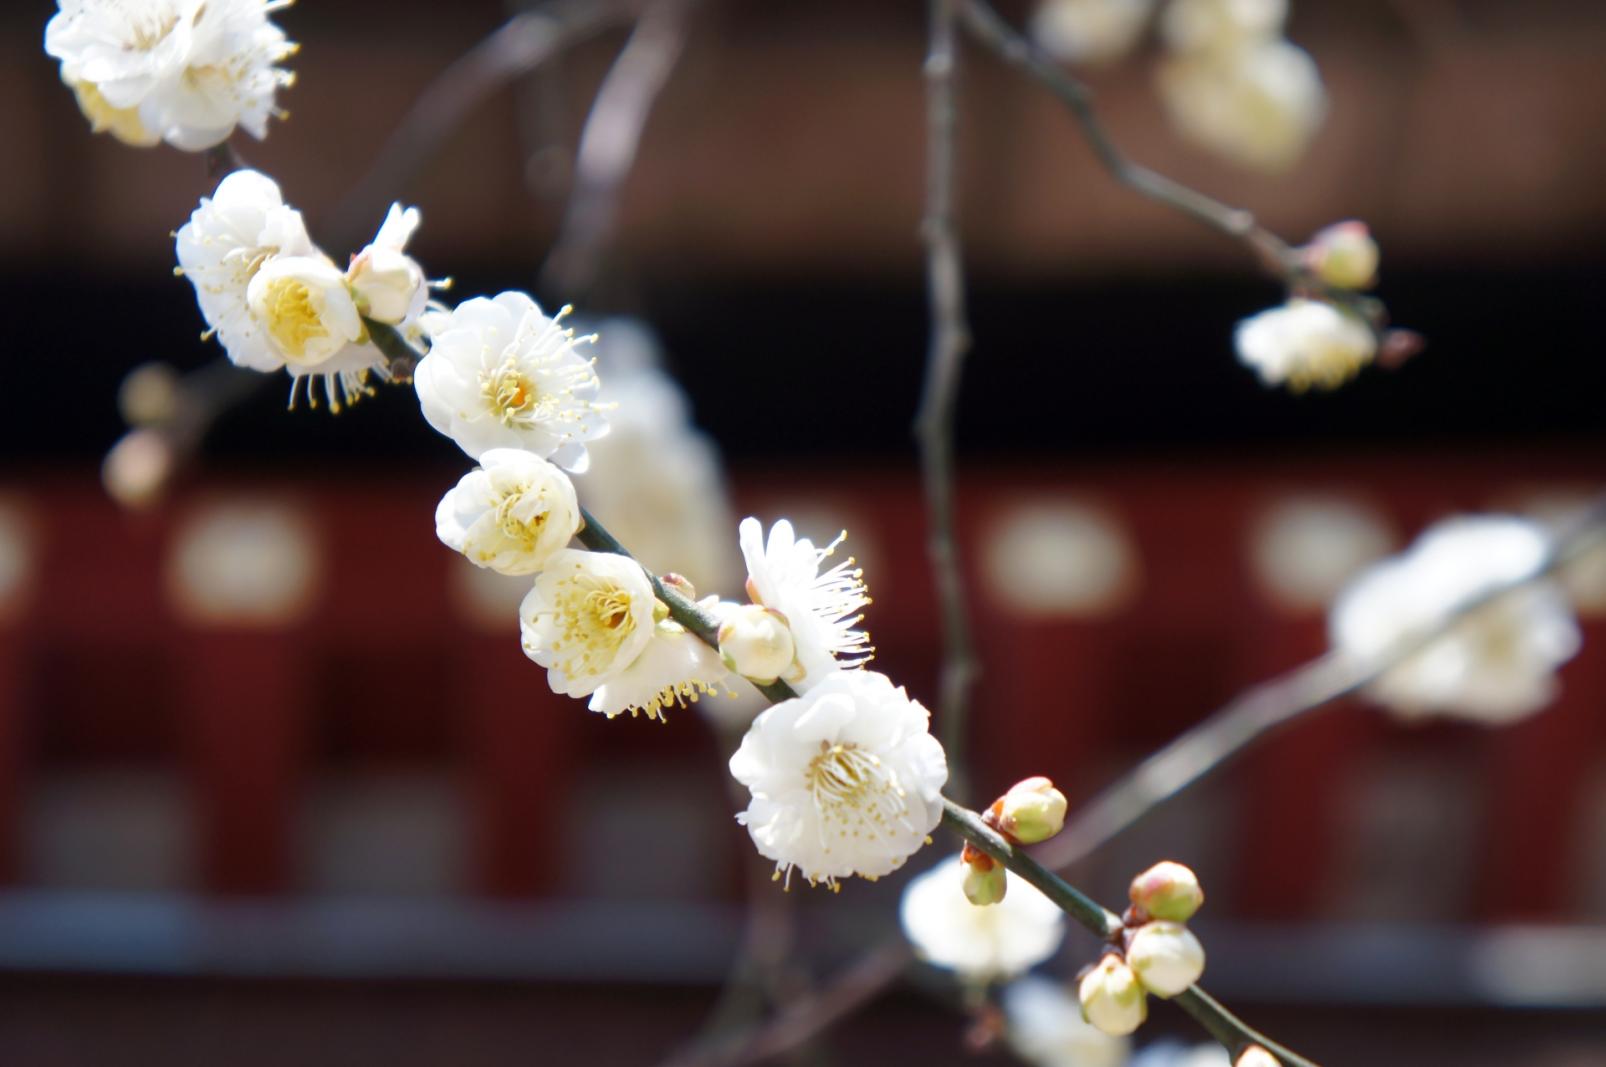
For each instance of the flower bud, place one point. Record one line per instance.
(1255, 1056)
(756, 643)
(1032, 811)
(1166, 957)
(386, 283)
(1167, 891)
(1112, 997)
(138, 468)
(1344, 255)
(985, 886)
(149, 395)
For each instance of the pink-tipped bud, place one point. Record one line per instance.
(1167, 891)
(984, 886)
(1344, 255)
(1032, 811)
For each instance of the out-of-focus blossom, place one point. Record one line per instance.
(587, 618)
(845, 779)
(1090, 31)
(136, 471)
(1496, 664)
(1176, 1054)
(1221, 26)
(1045, 1027)
(1305, 344)
(501, 374)
(182, 71)
(510, 514)
(1257, 106)
(783, 573)
(1344, 255)
(988, 944)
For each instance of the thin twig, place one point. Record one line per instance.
(945, 357)
(1225, 1027)
(518, 46)
(609, 141)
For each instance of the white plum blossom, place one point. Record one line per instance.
(271, 297)
(1090, 31)
(845, 779)
(388, 285)
(783, 574)
(501, 374)
(1044, 1025)
(182, 71)
(587, 618)
(1221, 26)
(1305, 344)
(510, 514)
(1257, 106)
(1495, 665)
(675, 669)
(981, 944)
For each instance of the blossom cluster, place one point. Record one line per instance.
(182, 71)
(1230, 81)
(275, 300)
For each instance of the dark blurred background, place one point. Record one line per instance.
(365, 831)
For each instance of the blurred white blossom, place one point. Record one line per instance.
(845, 779)
(1090, 31)
(783, 573)
(1495, 665)
(509, 514)
(1045, 1027)
(184, 71)
(1257, 106)
(501, 374)
(1305, 344)
(1221, 26)
(983, 944)
(1176, 1054)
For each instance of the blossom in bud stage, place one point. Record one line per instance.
(1494, 665)
(1032, 811)
(1221, 26)
(510, 514)
(675, 669)
(1257, 106)
(987, 944)
(182, 71)
(1305, 344)
(1255, 1056)
(1166, 957)
(1090, 31)
(501, 374)
(823, 610)
(845, 779)
(587, 618)
(1112, 997)
(1044, 1025)
(1344, 255)
(756, 643)
(985, 885)
(138, 468)
(388, 284)
(149, 395)
(1167, 891)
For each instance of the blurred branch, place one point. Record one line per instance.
(518, 46)
(1014, 48)
(1259, 710)
(610, 140)
(949, 341)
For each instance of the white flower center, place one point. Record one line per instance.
(291, 318)
(149, 31)
(595, 621)
(854, 792)
(520, 517)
